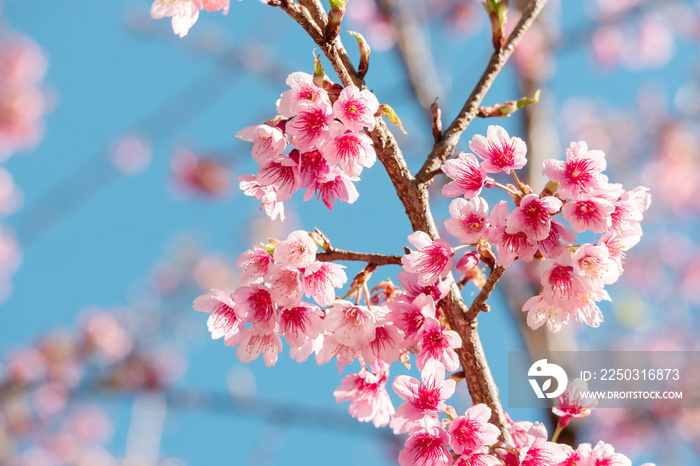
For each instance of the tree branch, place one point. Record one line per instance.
(444, 148)
(375, 259)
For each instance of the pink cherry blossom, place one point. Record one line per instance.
(254, 264)
(368, 397)
(428, 448)
(477, 458)
(552, 246)
(603, 454)
(425, 397)
(312, 166)
(223, 321)
(283, 174)
(286, 288)
(535, 450)
(298, 250)
(356, 108)
(473, 430)
(541, 312)
(184, 14)
(301, 322)
(253, 303)
(436, 342)
(500, 152)
(410, 316)
(302, 89)
(409, 281)
(588, 213)
(509, 246)
(266, 194)
(432, 261)
(470, 219)
(351, 149)
(467, 176)
(386, 345)
(344, 354)
(310, 127)
(596, 266)
(572, 403)
(629, 210)
(320, 279)
(335, 185)
(268, 142)
(352, 324)
(573, 457)
(561, 283)
(258, 339)
(216, 5)
(581, 173)
(533, 216)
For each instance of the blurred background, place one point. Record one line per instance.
(119, 205)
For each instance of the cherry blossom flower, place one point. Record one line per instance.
(473, 430)
(431, 262)
(561, 283)
(535, 450)
(254, 264)
(268, 142)
(356, 108)
(253, 303)
(552, 246)
(588, 213)
(467, 175)
(283, 174)
(258, 339)
(320, 279)
(470, 219)
(310, 127)
(312, 166)
(425, 397)
(533, 216)
(603, 454)
(368, 397)
(344, 354)
(539, 312)
(580, 173)
(428, 447)
(572, 403)
(302, 89)
(335, 185)
(353, 325)
(184, 14)
(386, 345)
(300, 323)
(410, 316)
(573, 457)
(266, 194)
(298, 250)
(509, 246)
(596, 266)
(500, 152)
(351, 149)
(286, 288)
(223, 321)
(409, 281)
(438, 343)
(477, 458)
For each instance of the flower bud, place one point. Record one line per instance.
(436, 114)
(335, 17)
(364, 54)
(468, 262)
(389, 112)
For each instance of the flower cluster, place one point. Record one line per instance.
(184, 13)
(329, 148)
(579, 191)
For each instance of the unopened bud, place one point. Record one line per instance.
(335, 17)
(320, 239)
(364, 54)
(498, 14)
(550, 189)
(436, 114)
(305, 11)
(468, 262)
(319, 74)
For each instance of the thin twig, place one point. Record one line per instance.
(371, 258)
(444, 148)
